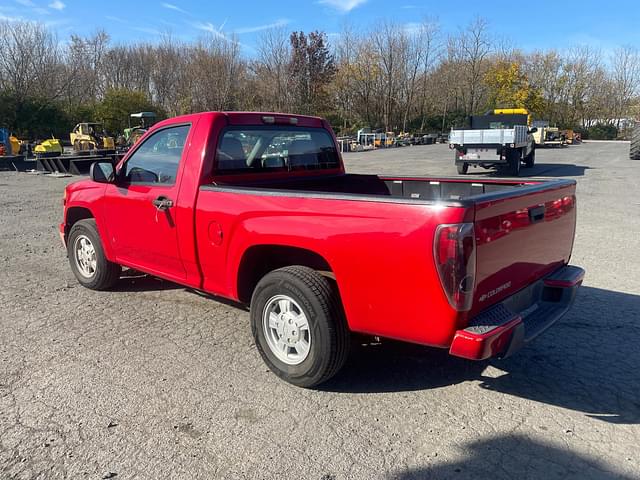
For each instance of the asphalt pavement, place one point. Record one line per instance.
(154, 381)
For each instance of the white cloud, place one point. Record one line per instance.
(210, 28)
(412, 28)
(57, 5)
(278, 23)
(171, 6)
(26, 3)
(151, 31)
(8, 18)
(344, 6)
(115, 19)
(217, 32)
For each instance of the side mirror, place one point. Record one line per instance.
(102, 172)
(533, 130)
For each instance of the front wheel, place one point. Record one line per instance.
(87, 259)
(298, 325)
(463, 168)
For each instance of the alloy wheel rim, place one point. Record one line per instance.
(286, 329)
(85, 256)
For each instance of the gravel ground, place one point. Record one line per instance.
(155, 381)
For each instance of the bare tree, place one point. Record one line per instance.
(271, 70)
(471, 48)
(429, 43)
(625, 78)
(30, 61)
(388, 43)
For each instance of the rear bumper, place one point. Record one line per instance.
(508, 326)
(495, 160)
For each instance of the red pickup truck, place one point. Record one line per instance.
(257, 208)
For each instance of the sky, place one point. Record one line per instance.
(528, 25)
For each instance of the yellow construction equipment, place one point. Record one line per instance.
(569, 135)
(15, 145)
(513, 111)
(49, 148)
(90, 136)
(9, 144)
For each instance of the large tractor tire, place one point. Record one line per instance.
(634, 152)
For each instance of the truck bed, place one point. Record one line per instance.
(523, 230)
(430, 189)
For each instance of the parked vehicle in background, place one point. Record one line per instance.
(501, 138)
(547, 136)
(50, 147)
(257, 208)
(132, 134)
(569, 136)
(89, 136)
(9, 144)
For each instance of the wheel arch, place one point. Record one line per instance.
(74, 215)
(258, 260)
(79, 212)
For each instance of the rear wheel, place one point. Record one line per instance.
(87, 259)
(298, 325)
(514, 158)
(463, 168)
(530, 160)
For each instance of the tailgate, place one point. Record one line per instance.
(482, 137)
(520, 237)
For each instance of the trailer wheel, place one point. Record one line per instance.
(298, 325)
(514, 158)
(87, 259)
(530, 160)
(463, 168)
(634, 152)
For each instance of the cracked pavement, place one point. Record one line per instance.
(156, 381)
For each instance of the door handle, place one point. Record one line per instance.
(162, 203)
(536, 214)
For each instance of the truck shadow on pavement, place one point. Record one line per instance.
(587, 362)
(514, 456)
(555, 170)
(133, 281)
(539, 170)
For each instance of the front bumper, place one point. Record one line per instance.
(509, 325)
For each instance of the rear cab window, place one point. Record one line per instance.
(255, 149)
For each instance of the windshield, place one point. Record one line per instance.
(273, 148)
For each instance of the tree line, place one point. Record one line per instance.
(397, 77)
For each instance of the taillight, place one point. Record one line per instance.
(455, 256)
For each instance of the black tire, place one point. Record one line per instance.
(514, 158)
(106, 273)
(463, 168)
(530, 160)
(634, 151)
(329, 336)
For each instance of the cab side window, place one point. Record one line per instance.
(157, 159)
